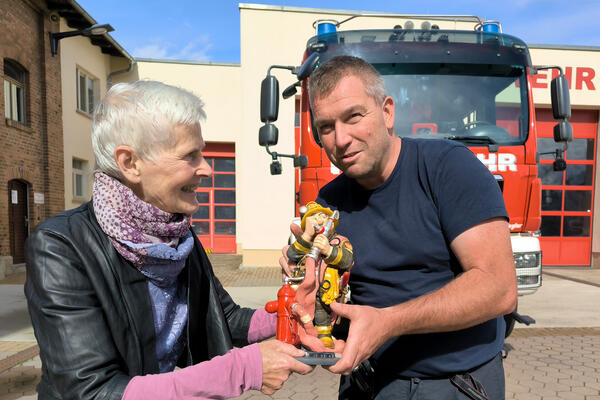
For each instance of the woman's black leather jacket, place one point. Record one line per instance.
(92, 316)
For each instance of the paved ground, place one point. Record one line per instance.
(558, 358)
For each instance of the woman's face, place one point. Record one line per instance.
(170, 182)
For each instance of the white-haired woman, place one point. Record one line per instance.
(120, 290)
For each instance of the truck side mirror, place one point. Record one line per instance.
(290, 90)
(268, 135)
(561, 102)
(563, 131)
(269, 99)
(308, 66)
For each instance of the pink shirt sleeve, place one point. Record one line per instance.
(222, 377)
(262, 326)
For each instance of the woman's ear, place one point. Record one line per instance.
(128, 163)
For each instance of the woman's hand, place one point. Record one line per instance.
(278, 363)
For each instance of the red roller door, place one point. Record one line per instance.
(568, 196)
(214, 221)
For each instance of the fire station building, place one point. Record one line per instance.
(252, 218)
(246, 210)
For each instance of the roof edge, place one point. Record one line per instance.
(92, 21)
(268, 7)
(563, 47)
(167, 61)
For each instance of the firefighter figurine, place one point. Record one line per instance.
(318, 240)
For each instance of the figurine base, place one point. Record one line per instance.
(319, 358)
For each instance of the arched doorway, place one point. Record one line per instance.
(18, 218)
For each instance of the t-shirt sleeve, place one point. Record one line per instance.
(466, 193)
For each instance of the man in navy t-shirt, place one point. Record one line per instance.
(434, 269)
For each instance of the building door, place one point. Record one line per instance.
(568, 196)
(18, 219)
(214, 221)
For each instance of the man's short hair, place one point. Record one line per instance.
(325, 78)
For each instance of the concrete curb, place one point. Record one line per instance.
(19, 358)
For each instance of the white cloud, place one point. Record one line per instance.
(150, 51)
(194, 50)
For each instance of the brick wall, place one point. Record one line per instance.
(31, 152)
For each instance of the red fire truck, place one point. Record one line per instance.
(471, 86)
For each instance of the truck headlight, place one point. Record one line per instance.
(527, 260)
(529, 269)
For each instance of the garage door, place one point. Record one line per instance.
(214, 221)
(568, 196)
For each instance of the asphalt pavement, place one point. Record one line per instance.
(556, 358)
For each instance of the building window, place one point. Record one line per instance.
(79, 179)
(87, 92)
(15, 79)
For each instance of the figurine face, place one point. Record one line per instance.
(320, 218)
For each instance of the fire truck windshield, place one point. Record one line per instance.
(461, 85)
(477, 104)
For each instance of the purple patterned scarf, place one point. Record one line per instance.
(158, 244)
(142, 233)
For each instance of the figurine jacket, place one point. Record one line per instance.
(341, 256)
(92, 315)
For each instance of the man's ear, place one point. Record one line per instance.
(128, 163)
(389, 113)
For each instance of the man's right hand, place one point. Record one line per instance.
(368, 332)
(278, 363)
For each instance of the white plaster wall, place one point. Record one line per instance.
(584, 75)
(79, 52)
(218, 85)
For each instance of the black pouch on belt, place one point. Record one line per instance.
(363, 378)
(469, 386)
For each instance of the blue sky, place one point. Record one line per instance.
(208, 30)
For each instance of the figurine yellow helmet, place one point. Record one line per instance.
(312, 208)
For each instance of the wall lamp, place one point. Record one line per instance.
(94, 30)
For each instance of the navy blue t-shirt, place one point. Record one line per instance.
(401, 233)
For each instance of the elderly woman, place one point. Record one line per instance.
(120, 290)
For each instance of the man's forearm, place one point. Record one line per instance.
(470, 299)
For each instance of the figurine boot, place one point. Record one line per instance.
(325, 335)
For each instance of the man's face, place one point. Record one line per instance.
(356, 131)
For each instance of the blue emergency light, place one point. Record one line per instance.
(324, 27)
(492, 27)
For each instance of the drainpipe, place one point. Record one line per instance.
(122, 71)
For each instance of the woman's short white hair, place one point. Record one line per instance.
(141, 115)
